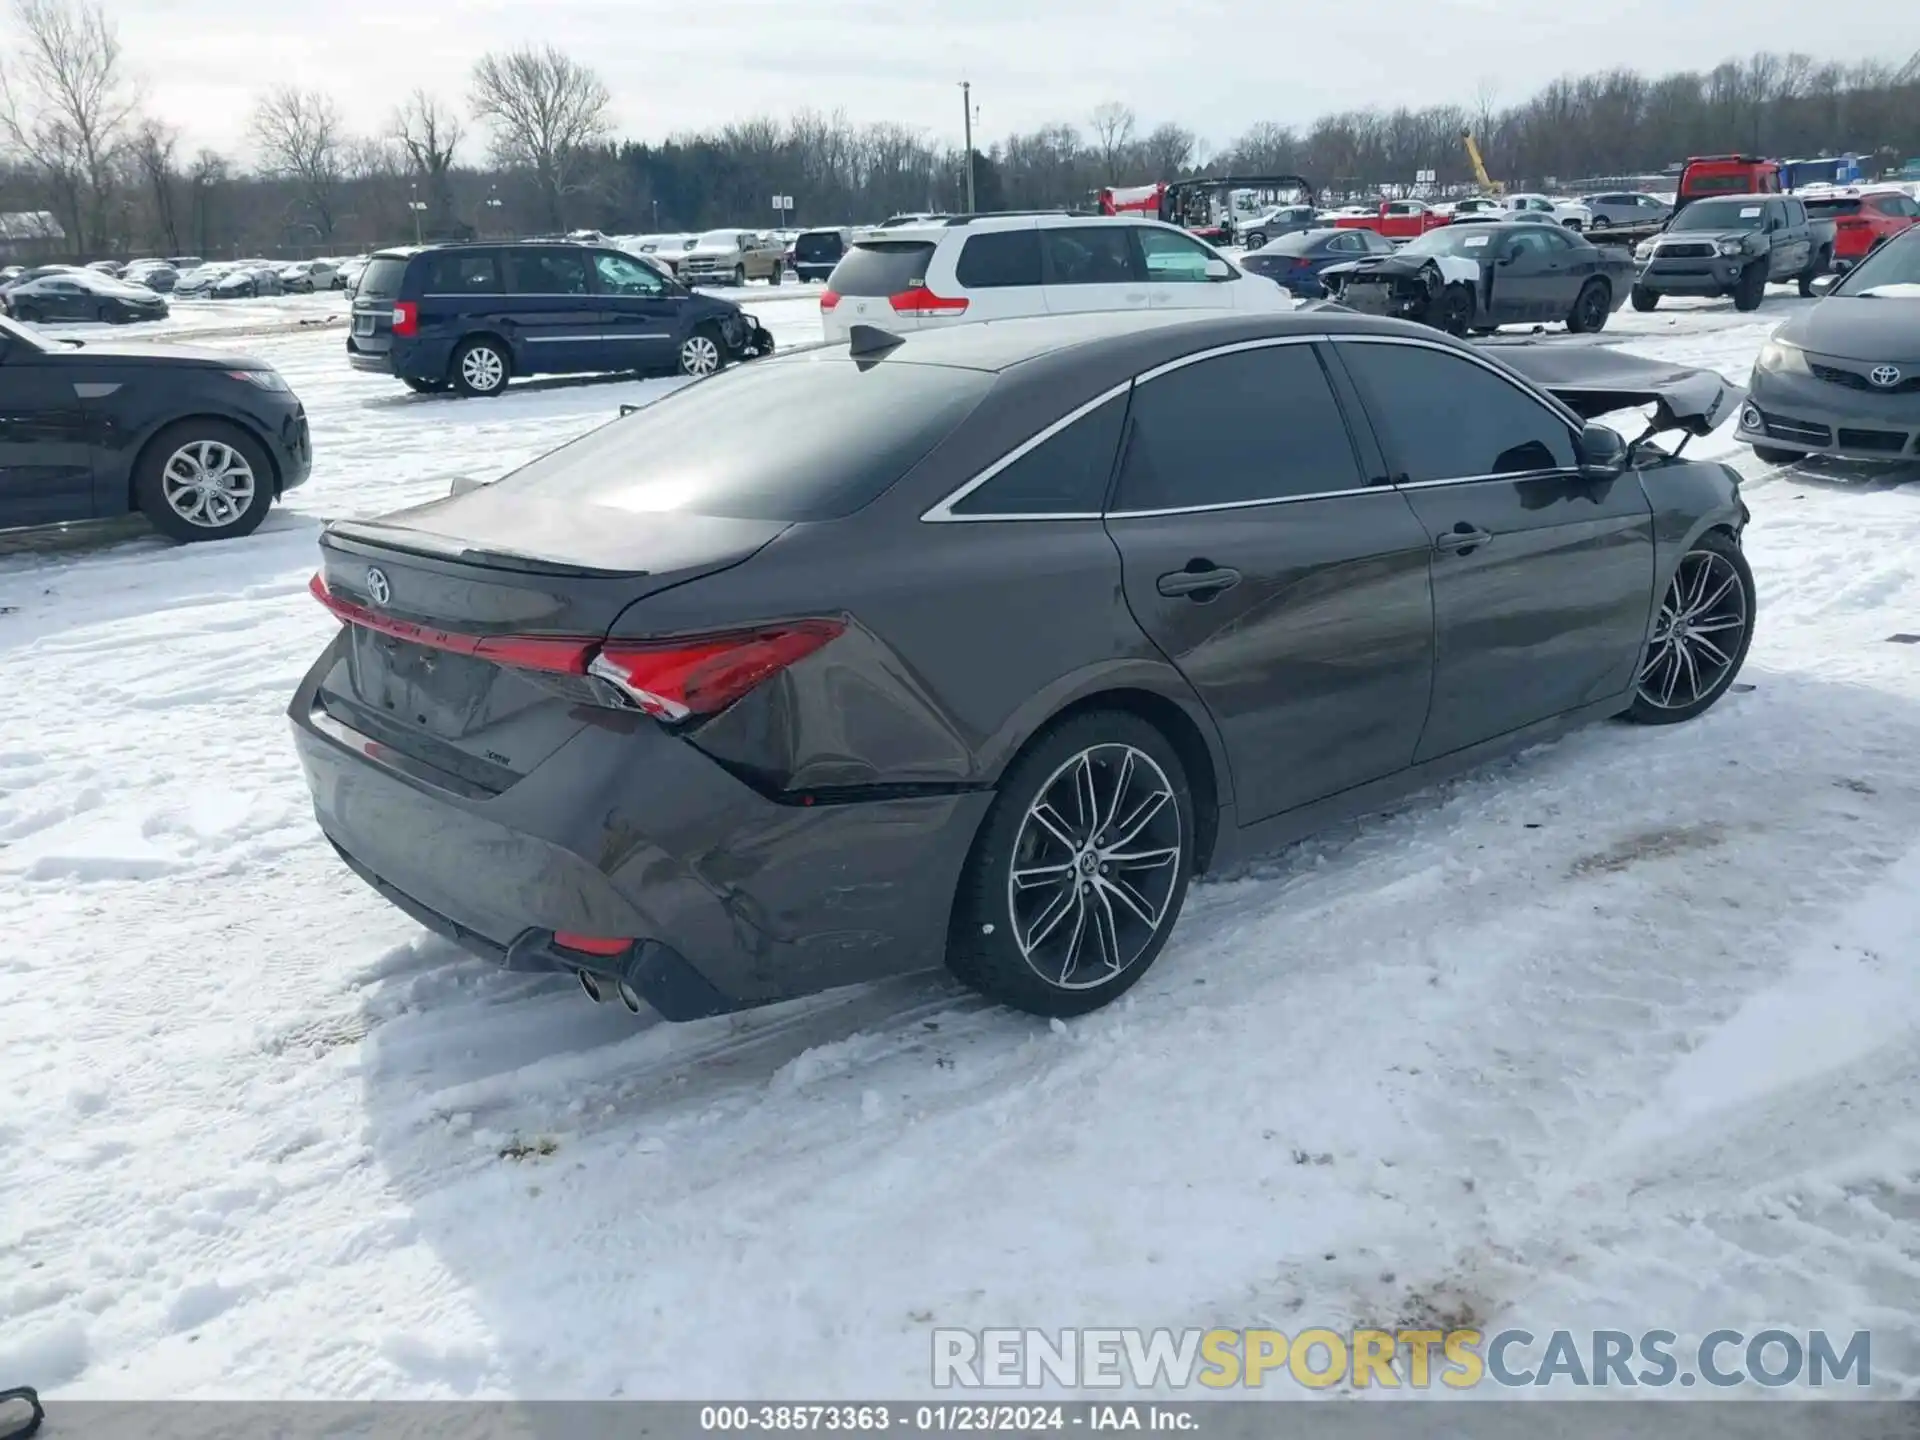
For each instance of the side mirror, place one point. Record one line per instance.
(1603, 453)
(1219, 270)
(1825, 284)
(465, 485)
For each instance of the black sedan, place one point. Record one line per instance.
(202, 443)
(1843, 377)
(710, 722)
(84, 295)
(1295, 262)
(1482, 276)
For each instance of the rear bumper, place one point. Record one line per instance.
(732, 899)
(812, 272)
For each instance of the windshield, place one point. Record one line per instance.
(1891, 272)
(1471, 240)
(721, 239)
(1721, 215)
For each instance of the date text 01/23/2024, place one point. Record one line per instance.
(974, 1419)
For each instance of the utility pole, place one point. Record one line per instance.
(966, 100)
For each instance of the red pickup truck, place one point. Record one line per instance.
(1396, 219)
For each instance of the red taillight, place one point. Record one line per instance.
(669, 679)
(1300, 262)
(922, 302)
(590, 944)
(406, 317)
(828, 299)
(1852, 222)
(560, 654)
(700, 675)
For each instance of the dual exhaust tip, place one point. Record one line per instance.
(600, 989)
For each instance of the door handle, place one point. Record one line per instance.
(1201, 580)
(1462, 537)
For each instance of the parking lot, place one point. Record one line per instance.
(1559, 1041)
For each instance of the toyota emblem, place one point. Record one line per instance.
(377, 587)
(1885, 376)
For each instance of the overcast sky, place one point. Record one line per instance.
(1216, 66)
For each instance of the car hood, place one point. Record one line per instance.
(712, 250)
(1451, 267)
(1880, 328)
(1593, 380)
(1698, 237)
(134, 352)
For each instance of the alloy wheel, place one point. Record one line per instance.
(1593, 307)
(208, 483)
(1697, 637)
(483, 369)
(699, 355)
(1096, 863)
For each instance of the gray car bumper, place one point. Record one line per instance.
(1804, 413)
(1715, 276)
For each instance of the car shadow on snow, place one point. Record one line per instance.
(1844, 476)
(652, 388)
(536, 1137)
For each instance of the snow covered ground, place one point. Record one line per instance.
(1619, 1033)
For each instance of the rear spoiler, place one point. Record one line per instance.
(1593, 380)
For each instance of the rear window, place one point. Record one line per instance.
(1297, 243)
(1826, 209)
(997, 261)
(819, 249)
(881, 267)
(845, 434)
(381, 279)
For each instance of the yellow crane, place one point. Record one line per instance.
(1487, 183)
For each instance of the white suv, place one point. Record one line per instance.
(997, 267)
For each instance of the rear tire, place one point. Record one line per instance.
(481, 367)
(1644, 299)
(1590, 308)
(1079, 870)
(1751, 288)
(1700, 634)
(204, 480)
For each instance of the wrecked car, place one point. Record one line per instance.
(1480, 277)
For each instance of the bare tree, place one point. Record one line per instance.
(545, 110)
(430, 132)
(1113, 125)
(1168, 151)
(154, 145)
(302, 142)
(66, 102)
(206, 177)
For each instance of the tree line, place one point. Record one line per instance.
(529, 148)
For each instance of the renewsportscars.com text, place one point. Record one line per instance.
(1395, 1359)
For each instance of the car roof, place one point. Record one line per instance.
(998, 345)
(961, 227)
(1755, 195)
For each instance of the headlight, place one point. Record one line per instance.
(1644, 250)
(1777, 357)
(265, 379)
(1730, 247)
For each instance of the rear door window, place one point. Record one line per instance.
(1065, 474)
(1236, 429)
(460, 273)
(1089, 255)
(999, 260)
(882, 267)
(1172, 257)
(547, 272)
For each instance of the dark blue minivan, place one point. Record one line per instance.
(470, 317)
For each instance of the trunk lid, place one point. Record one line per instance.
(426, 589)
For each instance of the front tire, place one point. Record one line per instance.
(739, 276)
(1751, 288)
(1456, 310)
(1700, 634)
(1079, 870)
(481, 367)
(1644, 299)
(1257, 240)
(779, 275)
(1590, 308)
(204, 480)
(1813, 272)
(703, 353)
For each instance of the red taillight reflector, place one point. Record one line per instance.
(560, 654)
(701, 675)
(406, 317)
(924, 303)
(828, 299)
(589, 944)
(1852, 222)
